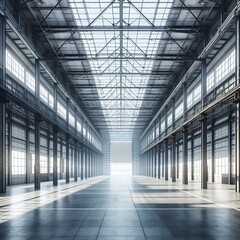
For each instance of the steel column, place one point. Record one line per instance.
(155, 161)
(55, 155)
(185, 156)
(159, 161)
(173, 159)
(67, 159)
(2, 147)
(230, 148)
(204, 175)
(75, 160)
(28, 156)
(86, 163)
(48, 156)
(192, 156)
(89, 163)
(177, 159)
(213, 151)
(166, 159)
(2, 106)
(237, 128)
(9, 149)
(82, 159)
(37, 153)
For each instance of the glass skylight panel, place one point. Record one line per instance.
(124, 70)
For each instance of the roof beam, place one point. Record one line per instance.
(84, 73)
(78, 86)
(122, 99)
(72, 58)
(71, 28)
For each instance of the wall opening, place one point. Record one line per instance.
(121, 158)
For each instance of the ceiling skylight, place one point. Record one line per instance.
(122, 56)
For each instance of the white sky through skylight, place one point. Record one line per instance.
(124, 72)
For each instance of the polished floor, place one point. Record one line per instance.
(114, 208)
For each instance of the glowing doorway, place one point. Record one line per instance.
(121, 158)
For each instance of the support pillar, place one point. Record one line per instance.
(75, 160)
(37, 153)
(48, 156)
(2, 106)
(89, 163)
(82, 159)
(192, 157)
(86, 163)
(178, 159)
(185, 156)
(237, 126)
(155, 161)
(28, 156)
(229, 148)
(159, 161)
(173, 159)
(2, 148)
(55, 155)
(204, 175)
(166, 159)
(67, 160)
(9, 149)
(213, 151)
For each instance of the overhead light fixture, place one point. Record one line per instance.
(201, 2)
(38, 2)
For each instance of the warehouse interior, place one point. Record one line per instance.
(120, 119)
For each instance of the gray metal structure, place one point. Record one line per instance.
(123, 70)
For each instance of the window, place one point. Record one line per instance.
(179, 111)
(169, 120)
(30, 81)
(14, 66)
(189, 100)
(197, 93)
(162, 125)
(84, 131)
(46, 96)
(61, 110)
(18, 162)
(194, 96)
(210, 81)
(121, 169)
(79, 126)
(43, 164)
(71, 119)
(225, 67)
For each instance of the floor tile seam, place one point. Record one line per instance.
(81, 225)
(211, 201)
(119, 209)
(101, 224)
(137, 213)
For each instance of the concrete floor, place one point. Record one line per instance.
(116, 208)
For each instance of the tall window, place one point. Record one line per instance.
(61, 110)
(18, 162)
(14, 66)
(17, 69)
(194, 96)
(169, 120)
(179, 111)
(71, 119)
(46, 96)
(210, 81)
(30, 81)
(225, 67)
